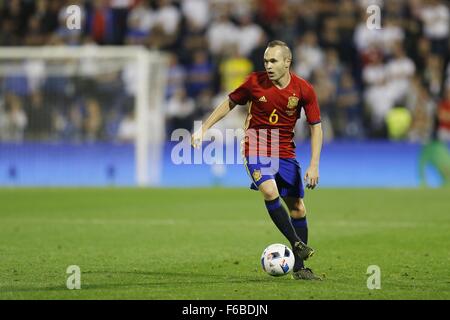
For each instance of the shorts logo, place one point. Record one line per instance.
(292, 104)
(256, 175)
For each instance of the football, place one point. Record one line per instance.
(277, 260)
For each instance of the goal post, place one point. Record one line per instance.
(146, 71)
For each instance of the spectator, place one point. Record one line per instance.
(433, 75)
(71, 126)
(329, 36)
(204, 103)
(270, 12)
(176, 77)
(17, 82)
(444, 117)
(47, 15)
(326, 92)
(348, 108)
(257, 54)
(333, 66)
(180, 111)
(423, 51)
(92, 121)
(15, 119)
(422, 108)
(192, 39)
(248, 35)
(391, 35)
(119, 11)
(435, 16)
(73, 36)
(308, 56)
(377, 97)
(287, 28)
(447, 75)
(140, 22)
(197, 12)
(16, 14)
(39, 117)
(399, 72)
(221, 34)
(398, 123)
(34, 35)
(127, 128)
(366, 39)
(100, 22)
(200, 74)
(8, 36)
(346, 22)
(234, 69)
(168, 19)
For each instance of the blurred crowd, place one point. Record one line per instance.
(390, 82)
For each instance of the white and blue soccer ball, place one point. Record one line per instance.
(277, 260)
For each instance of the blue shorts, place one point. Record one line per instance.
(287, 174)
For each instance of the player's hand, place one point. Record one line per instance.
(312, 177)
(197, 138)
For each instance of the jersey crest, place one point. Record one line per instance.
(292, 105)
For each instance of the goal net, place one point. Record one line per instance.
(88, 115)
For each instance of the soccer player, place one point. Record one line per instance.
(275, 98)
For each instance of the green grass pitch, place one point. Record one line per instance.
(206, 244)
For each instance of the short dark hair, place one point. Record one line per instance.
(279, 43)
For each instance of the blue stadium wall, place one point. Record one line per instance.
(343, 164)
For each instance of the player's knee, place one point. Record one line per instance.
(269, 192)
(298, 211)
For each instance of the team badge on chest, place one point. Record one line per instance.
(292, 105)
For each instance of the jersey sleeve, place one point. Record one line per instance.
(242, 94)
(310, 104)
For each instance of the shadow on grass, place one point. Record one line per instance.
(155, 279)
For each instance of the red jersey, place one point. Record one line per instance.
(274, 108)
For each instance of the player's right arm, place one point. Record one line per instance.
(240, 96)
(218, 114)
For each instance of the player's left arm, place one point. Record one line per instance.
(312, 112)
(312, 173)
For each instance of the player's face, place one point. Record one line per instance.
(276, 63)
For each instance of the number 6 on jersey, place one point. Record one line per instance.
(273, 117)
